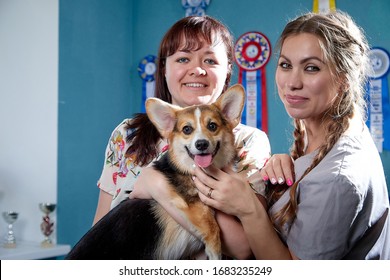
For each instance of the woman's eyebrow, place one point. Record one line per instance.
(304, 60)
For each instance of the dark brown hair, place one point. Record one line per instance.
(193, 31)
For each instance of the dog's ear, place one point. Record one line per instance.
(162, 115)
(231, 103)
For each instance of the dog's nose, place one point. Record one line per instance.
(202, 145)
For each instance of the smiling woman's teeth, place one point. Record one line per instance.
(194, 85)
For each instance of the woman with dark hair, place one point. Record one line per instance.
(194, 67)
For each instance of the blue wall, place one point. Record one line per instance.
(101, 44)
(95, 60)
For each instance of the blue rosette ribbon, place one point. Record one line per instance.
(147, 72)
(378, 98)
(252, 52)
(195, 7)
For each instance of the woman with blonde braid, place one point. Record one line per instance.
(338, 206)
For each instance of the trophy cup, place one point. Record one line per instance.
(10, 217)
(47, 224)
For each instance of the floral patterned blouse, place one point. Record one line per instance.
(120, 173)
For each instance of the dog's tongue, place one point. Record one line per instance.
(203, 160)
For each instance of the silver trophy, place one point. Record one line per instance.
(47, 225)
(10, 217)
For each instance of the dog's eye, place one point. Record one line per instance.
(212, 126)
(187, 129)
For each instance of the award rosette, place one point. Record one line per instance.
(252, 52)
(195, 7)
(323, 6)
(378, 95)
(147, 70)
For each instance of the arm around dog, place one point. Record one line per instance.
(152, 184)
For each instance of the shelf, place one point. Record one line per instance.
(33, 251)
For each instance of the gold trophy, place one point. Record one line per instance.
(10, 217)
(47, 224)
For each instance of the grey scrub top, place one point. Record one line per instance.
(338, 200)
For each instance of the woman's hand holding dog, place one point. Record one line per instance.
(279, 169)
(230, 194)
(150, 184)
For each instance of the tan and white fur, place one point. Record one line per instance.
(201, 135)
(142, 229)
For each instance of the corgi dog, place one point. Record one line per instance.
(142, 229)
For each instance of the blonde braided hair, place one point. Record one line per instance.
(345, 48)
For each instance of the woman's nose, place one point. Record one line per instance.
(294, 80)
(197, 71)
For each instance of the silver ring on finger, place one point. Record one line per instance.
(210, 192)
